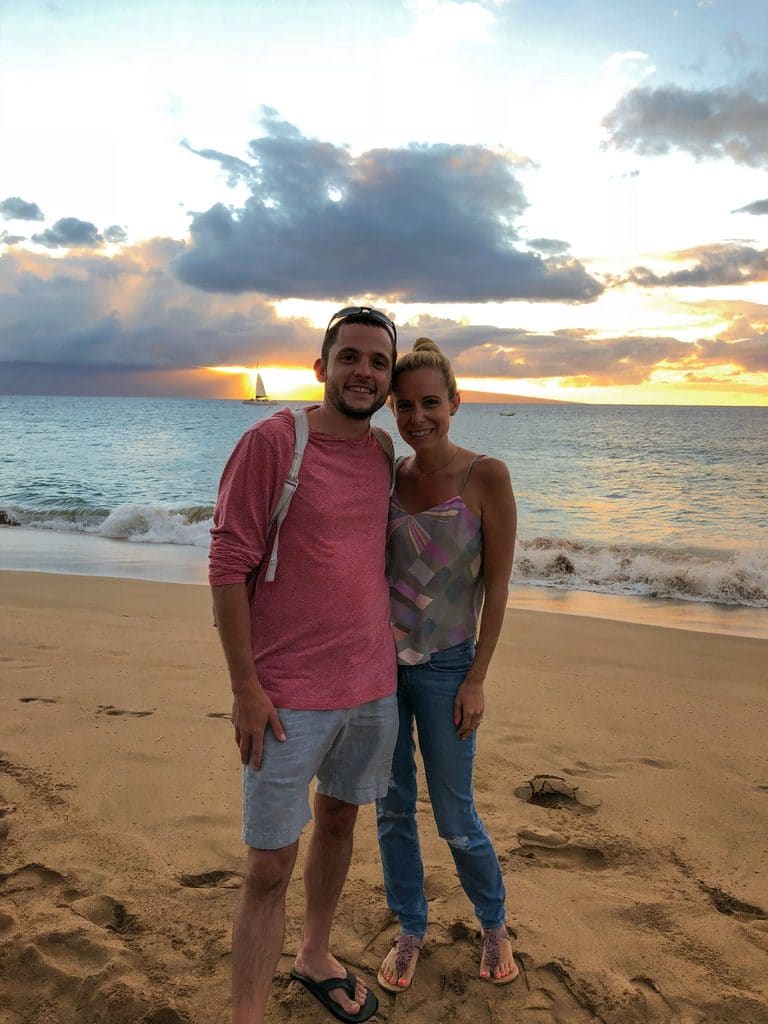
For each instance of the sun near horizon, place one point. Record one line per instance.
(298, 384)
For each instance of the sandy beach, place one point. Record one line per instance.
(637, 889)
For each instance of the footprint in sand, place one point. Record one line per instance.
(107, 913)
(554, 792)
(227, 715)
(648, 762)
(583, 770)
(546, 992)
(579, 857)
(29, 876)
(12, 662)
(730, 905)
(37, 700)
(8, 923)
(109, 709)
(211, 880)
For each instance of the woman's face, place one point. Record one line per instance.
(422, 408)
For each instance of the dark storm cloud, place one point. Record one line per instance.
(705, 123)
(760, 206)
(424, 223)
(69, 232)
(713, 265)
(14, 208)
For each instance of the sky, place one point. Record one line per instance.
(569, 196)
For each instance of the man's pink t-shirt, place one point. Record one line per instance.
(320, 632)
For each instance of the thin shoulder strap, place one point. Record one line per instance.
(280, 510)
(469, 470)
(385, 442)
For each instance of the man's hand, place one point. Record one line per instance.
(468, 708)
(251, 714)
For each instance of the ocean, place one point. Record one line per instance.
(659, 503)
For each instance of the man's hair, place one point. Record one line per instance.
(425, 353)
(332, 333)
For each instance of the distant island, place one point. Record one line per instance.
(472, 397)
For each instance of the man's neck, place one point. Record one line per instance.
(328, 420)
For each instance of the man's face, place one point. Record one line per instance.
(358, 371)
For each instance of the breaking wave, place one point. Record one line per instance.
(716, 577)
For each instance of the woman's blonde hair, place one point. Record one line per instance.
(425, 353)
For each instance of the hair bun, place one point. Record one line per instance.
(425, 345)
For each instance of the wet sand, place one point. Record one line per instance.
(636, 880)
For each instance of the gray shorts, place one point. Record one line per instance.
(350, 752)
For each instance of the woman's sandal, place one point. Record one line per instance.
(400, 961)
(492, 956)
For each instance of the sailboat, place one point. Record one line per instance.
(260, 396)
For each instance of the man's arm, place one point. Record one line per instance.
(252, 710)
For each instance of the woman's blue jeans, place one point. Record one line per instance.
(425, 694)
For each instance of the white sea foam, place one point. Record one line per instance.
(716, 577)
(145, 524)
(149, 525)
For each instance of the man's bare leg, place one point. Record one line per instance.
(259, 928)
(325, 871)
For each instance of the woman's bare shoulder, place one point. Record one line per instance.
(489, 470)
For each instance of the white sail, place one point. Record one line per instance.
(261, 391)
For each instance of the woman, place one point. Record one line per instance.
(450, 544)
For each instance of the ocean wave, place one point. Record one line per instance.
(714, 577)
(145, 524)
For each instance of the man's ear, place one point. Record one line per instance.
(320, 370)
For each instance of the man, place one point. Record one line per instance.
(310, 657)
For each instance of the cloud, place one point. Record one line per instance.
(6, 239)
(69, 232)
(424, 223)
(89, 310)
(723, 264)
(706, 123)
(548, 245)
(583, 358)
(759, 207)
(749, 354)
(129, 317)
(14, 208)
(577, 355)
(115, 234)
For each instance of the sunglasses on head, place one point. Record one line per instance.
(374, 314)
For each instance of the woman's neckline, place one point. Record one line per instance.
(432, 508)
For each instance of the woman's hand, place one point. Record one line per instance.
(468, 707)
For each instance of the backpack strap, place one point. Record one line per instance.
(280, 510)
(385, 442)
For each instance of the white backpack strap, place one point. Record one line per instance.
(279, 512)
(385, 441)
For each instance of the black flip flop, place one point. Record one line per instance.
(321, 989)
